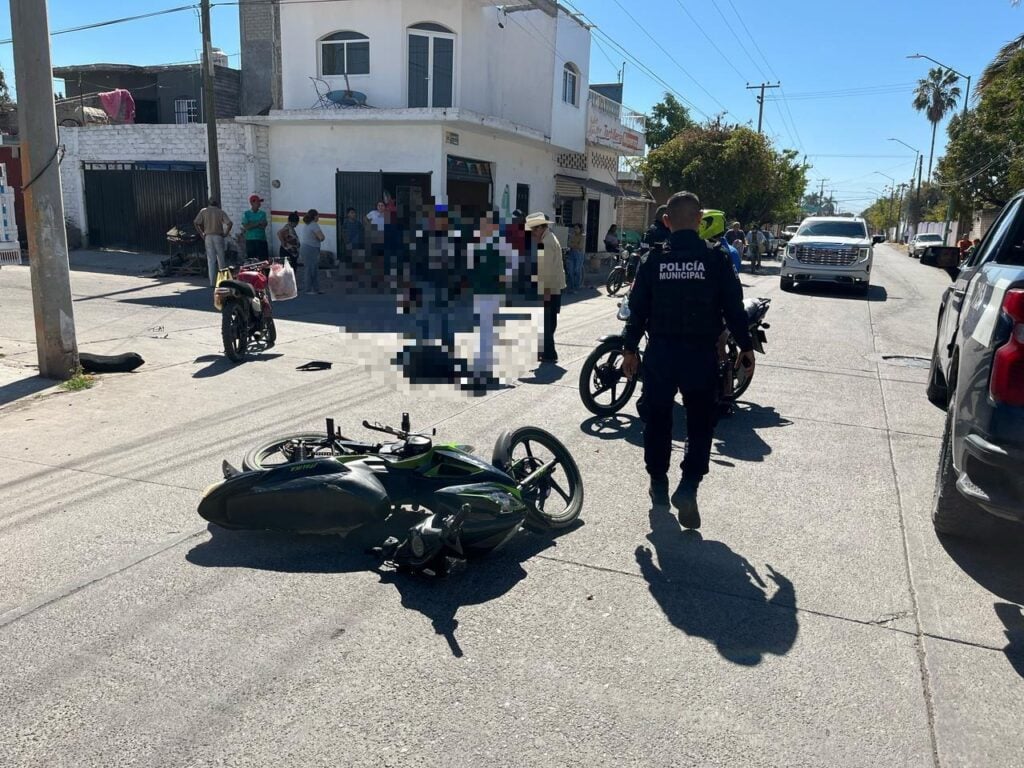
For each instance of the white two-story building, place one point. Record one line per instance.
(464, 101)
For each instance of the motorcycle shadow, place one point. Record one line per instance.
(438, 599)
(737, 437)
(628, 427)
(219, 364)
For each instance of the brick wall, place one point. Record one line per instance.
(260, 35)
(244, 152)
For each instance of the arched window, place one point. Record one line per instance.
(344, 53)
(571, 84)
(431, 65)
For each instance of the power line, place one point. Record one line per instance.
(725, 21)
(711, 40)
(122, 20)
(753, 40)
(670, 56)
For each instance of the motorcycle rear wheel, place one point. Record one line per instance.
(614, 282)
(283, 450)
(601, 374)
(741, 377)
(551, 505)
(234, 331)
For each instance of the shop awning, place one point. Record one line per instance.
(467, 169)
(592, 184)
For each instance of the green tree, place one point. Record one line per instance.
(731, 168)
(936, 95)
(5, 92)
(667, 119)
(984, 162)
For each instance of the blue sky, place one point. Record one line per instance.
(816, 49)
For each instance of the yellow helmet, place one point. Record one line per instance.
(712, 224)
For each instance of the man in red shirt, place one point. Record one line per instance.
(964, 244)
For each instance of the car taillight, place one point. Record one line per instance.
(1008, 366)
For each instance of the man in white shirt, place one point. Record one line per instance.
(377, 217)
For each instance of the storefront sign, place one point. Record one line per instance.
(451, 137)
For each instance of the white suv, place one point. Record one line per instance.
(832, 249)
(918, 243)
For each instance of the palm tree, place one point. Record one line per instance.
(999, 63)
(936, 96)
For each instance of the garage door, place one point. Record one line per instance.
(132, 205)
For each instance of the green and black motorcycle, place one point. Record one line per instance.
(425, 506)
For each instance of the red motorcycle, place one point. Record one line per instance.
(246, 313)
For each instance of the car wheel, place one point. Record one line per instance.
(937, 392)
(952, 514)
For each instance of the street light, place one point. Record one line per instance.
(967, 94)
(918, 164)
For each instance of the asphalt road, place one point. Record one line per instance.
(816, 620)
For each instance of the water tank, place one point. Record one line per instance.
(220, 59)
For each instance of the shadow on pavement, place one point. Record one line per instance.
(545, 373)
(439, 599)
(709, 591)
(836, 291)
(999, 568)
(736, 437)
(221, 364)
(16, 390)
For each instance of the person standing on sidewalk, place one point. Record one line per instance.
(680, 297)
(309, 249)
(254, 224)
(213, 225)
(576, 247)
(734, 237)
(755, 247)
(550, 279)
(288, 237)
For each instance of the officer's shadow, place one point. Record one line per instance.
(709, 591)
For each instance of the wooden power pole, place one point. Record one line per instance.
(56, 344)
(760, 100)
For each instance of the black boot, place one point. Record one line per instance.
(685, 500)
(658, 490)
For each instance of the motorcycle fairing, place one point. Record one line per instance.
(322, 496)
(496, 513)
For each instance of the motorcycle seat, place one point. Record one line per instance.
(753, 309)
(243, 288)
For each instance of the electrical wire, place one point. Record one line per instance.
(58, 150)
(98, 24)
(727, 59)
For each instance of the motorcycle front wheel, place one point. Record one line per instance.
(555, 499)
(614, 282)
(604, 388)
(304, 446)
(234, 331)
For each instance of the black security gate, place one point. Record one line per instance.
(132, 205)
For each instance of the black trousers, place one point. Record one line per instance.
(256, 250)
(552, 306)
(671, 367)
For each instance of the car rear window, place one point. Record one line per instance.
(833, 229)
(936, 238)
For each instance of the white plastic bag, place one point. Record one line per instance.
(282, 282)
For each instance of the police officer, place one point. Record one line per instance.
(680, 298)
(657, 234)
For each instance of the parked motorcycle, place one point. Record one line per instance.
(624, 271)
(246, 312)
(426, 506)
(605, 389)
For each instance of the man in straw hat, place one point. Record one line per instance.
(550, 279)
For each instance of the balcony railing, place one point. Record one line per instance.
(627, 117)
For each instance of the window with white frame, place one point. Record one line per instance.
(186, 111)
(344, 53)
(570, 85)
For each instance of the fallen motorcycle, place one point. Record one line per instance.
(246, 312)
(605, 389)
(426, 506)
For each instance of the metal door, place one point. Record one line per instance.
(593, 223)
(132, 205)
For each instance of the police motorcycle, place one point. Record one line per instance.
(605, 389)
(425, 506)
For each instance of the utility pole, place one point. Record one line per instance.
(899, 212)
(760, 99)
(56, 345)
(209, 107)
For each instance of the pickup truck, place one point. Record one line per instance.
(977, 377)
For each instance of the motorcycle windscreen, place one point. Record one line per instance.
(282, 500)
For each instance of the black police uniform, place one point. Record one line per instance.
(680, 297)
(657, 234)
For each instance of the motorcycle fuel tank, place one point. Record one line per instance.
(321, 496)
(256, 279)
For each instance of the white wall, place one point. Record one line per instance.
(305, 158)
(569, 123)
(509, 73)
(243, 154)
